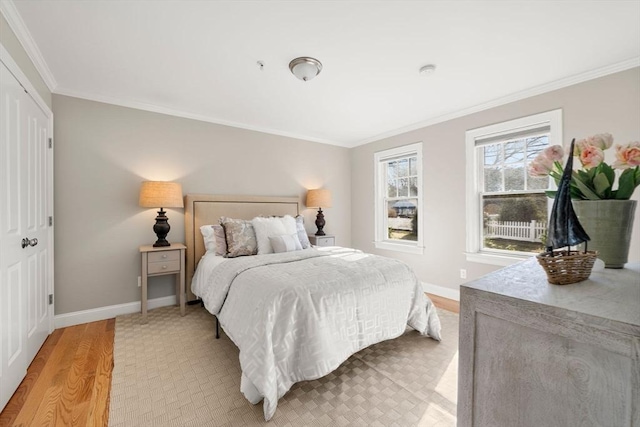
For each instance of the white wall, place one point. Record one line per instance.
(102, 154)
(608, 104)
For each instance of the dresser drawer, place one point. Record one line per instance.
(163, 267)
(164, 256)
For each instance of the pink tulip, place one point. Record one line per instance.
(591, 156)
(628, 156)
(580, 146)
(539, 167)
(553, 153)
(601, 140)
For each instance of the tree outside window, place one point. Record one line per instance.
(398, 198)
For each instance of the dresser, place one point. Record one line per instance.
(536, 354)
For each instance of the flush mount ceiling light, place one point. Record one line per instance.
(427, 69)
(305, 68)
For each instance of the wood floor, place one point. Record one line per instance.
(69, 381)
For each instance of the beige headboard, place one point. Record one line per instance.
(204, 209)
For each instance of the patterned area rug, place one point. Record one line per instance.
(173, 372)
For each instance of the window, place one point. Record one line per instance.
(507, 210)
(398, 215)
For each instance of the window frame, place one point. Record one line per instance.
(380, 208)
(474, 251)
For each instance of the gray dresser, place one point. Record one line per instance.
(536, 354)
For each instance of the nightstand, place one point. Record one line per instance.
(161, 261)
(326, 240)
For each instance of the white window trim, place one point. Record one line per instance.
(381, 242)
(473, 253)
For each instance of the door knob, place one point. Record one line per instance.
(28, 242)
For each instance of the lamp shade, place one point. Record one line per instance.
(161, 194)
(318, 199)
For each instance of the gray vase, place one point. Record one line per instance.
(608, 223)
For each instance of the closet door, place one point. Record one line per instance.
(24, 234)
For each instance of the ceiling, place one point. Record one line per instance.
(198, 59)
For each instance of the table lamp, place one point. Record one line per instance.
(161, 194)
(319, 199)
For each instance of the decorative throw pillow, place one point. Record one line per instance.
(221, 242)
(302, 233)
(269, 227)
(240, 237)
(285, 243)
(208, 237)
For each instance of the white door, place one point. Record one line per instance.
(25, 317)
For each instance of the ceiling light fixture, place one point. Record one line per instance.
(305, 68)
(428, 69)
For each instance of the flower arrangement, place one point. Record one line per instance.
(596, 179)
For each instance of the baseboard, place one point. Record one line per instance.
(441, 291)
(109, 312)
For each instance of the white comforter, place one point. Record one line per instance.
(297, 316)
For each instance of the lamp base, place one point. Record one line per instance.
(320, 223)
(161, 228)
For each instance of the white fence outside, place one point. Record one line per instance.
(515, 230)
(400, 223)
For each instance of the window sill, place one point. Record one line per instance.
(399, 247)
(495, 259)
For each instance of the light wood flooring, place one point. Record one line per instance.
(69, 381)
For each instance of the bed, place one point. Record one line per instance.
(298, 315)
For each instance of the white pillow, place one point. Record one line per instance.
(289, 224)
(302, 232)
(285, 243)
(271, 227)
(209, 238)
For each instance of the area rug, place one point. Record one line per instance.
(173, 372)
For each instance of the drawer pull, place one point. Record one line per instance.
(164, 267)
(164, 255)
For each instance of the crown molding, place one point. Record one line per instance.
(13, 67)
(528, 93)
(138, 105)
(11, 14)
(538, 90)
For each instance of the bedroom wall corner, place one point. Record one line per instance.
(102, 154)
(606, 104)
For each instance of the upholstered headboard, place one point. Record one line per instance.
(204, 209)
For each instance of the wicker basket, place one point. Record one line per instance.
(566, 267)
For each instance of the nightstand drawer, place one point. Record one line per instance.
(163, 267)
(324, 241)
(327, 240)
(164, 256)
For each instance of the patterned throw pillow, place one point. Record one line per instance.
(240, 237)
(302, 233)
